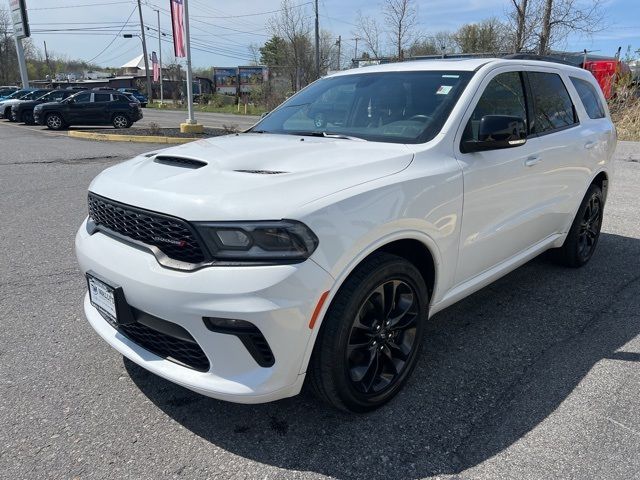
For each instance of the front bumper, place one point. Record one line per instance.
(279, 300)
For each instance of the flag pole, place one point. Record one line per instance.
(190, 125)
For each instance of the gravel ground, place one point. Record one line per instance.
(535, 376)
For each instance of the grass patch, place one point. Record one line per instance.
(625, 113)
(233, 109)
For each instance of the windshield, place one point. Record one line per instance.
(18, 94)
(33, 95)
(398, 107)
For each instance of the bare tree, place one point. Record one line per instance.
(537, 25)
(563, 17)
(291, 24)
(369, 30)
(520, 16)
(401, 18)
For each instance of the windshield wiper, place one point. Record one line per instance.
(327, 135)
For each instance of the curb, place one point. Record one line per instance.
(111, 137)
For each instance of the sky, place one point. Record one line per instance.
(221, 32)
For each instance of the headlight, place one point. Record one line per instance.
(269, 241)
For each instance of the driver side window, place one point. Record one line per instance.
(504, 95)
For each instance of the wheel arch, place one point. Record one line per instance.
(417, 247)
(602, 180)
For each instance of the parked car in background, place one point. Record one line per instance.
(6, 91)
(89, 108)
(136, 93)
(315, 246)
(5, 105)
(22, 111)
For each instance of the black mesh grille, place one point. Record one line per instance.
(187, 353)
(171, 235)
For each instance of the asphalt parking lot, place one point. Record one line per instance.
(536, 376)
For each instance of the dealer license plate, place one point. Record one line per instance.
(102, 297)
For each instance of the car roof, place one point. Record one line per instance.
(453, 64)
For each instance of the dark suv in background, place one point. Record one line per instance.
(89, 108)
(23, 111)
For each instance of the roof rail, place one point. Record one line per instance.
(542, 58)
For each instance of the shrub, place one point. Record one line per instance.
(625, 111)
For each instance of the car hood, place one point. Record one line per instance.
(249, 176)
(47, 104)
(10, 102)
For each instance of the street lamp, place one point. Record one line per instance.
(144, 50)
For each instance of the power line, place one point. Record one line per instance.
(79, 5)
(115, 37)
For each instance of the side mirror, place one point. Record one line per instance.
(497, 132)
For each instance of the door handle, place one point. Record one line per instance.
(589, 145)
(531, 161)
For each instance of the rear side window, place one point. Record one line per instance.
(504, 95)
(82, 98)
(101, 97)
(589, 98)
(553, 107)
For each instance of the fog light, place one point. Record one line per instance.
(227, 325)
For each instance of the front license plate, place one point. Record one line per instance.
(102, 297)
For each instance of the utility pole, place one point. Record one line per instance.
(339, 43)
(190, 125)
(144, 53)
(160, 59)
(317, 42)
(46, 56)
(355, 55)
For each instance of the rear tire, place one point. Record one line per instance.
(370, 339)
(54, 121)
(582, 239)
(121, 121)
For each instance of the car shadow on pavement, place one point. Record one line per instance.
(494, 366)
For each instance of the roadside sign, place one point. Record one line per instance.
(20, 20)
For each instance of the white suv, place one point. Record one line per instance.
(317, 244)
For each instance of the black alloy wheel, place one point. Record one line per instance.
(370, 337)
(382, 336)
(590, 227)
(582, 239)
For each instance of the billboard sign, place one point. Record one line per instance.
(252, 77)
(20, 20)
(225, 80)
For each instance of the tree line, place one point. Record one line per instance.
(535, 26)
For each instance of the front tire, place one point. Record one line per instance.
(582, 239)
(7, 114)
(54, 121)
(370, 339)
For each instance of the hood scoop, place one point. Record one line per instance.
(261, 172)
(180, 162)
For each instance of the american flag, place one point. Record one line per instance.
(156, 67)
(177, 23)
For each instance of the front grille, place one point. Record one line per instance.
(187, 353)
(173, 236)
